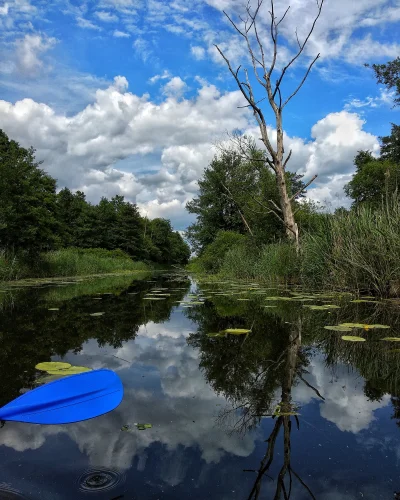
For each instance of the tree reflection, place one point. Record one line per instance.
(256, 375)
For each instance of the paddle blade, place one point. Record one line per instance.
(70, 399)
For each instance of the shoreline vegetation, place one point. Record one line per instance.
(68, 263)
(356, 250)
(45, 233)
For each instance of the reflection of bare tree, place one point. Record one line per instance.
(284, 412)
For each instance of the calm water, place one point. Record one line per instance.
(209, 399)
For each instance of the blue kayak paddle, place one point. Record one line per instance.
(69, 399)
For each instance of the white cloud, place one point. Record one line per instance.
(175, 87)
(345, 403)
(4, 9)
(86, 24)
(82, 150)
(163, 76)
(198, 52)
(120, 34)
(106, 17)
(85, 149)
(386, 97)
(28, 51)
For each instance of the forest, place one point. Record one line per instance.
(45, 232)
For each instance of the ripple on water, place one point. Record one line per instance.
(7, 493)
(100, 479)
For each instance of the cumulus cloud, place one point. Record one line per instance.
(175, 87)
(345, 402)
(28, 51)
(94, 148)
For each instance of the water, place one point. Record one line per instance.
(209, 399)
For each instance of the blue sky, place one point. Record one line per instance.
(130, 96)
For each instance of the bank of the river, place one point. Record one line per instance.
(68, 262)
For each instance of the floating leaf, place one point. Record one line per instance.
(338, 328)
(47, 378)
(97, 314)
(365, 326)
(392, 339)
(52, 365)
(360, 301)
(142, 427)
(350, 338)
(322, 308)
(154, 298)
(73, 370)
(53, 309)
(125, 428)
(236, 331)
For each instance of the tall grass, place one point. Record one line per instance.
(76, 261)
(67, 262)
(357, 250)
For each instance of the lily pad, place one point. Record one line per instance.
(236, 331)
(350, 338)
(365, 326)
(360, 301)
(338, 328)
(392, 339)
(52, 365)
(142, 427)
(97, 314)
(47, 378)
(154, 298)
(73, 370)
(53, 309)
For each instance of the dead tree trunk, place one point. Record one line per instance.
(263, 72)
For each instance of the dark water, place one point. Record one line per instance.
(209, 399)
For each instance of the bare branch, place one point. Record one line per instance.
(275, 205)
(303, 188)
(234, 25)
(311, 387)
(283, 17)
(302, 81)
(287, 159)
(301, 48)
(240, 213)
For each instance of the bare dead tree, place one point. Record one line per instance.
(263, 73)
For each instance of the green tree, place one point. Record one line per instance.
(390, 145)
(375, 178)
(236, 193)
(27, 200)
(389, 75)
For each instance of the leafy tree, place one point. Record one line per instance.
(180, 251)
(27, 200)
(390, 145)
(389, 75)
(233, 195)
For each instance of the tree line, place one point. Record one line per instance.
(35, 218)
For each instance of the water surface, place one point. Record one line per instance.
(288, 410)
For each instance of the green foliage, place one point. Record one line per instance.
(34, 219)
(374, 180)
(212, 258)
(390, 145)
(278, 261)
(76, 261)
(356, 250)
(234, 189)
(389, 75)
(27, 201)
